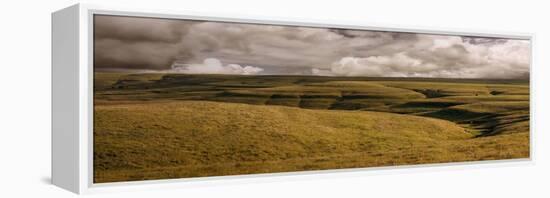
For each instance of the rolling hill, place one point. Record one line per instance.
(158, 126)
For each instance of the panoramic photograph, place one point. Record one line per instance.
(177, 98)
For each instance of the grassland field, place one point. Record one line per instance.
(161, 126)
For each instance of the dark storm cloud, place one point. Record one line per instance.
(483, 40)
(214, 47)
(138, 43)
(139, 29)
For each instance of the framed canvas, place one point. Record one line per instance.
(156, 98)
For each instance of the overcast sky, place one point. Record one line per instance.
(186, 46)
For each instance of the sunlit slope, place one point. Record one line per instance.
(154, 140)
(451, 99)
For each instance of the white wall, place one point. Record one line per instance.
(25, 98)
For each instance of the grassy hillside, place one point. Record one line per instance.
(153, 126)
(194, 138)
(450, 99)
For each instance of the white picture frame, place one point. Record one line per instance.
(72, 100)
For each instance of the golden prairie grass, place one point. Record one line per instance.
(193, 138)
(160, 126)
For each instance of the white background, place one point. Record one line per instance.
(25, 98)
